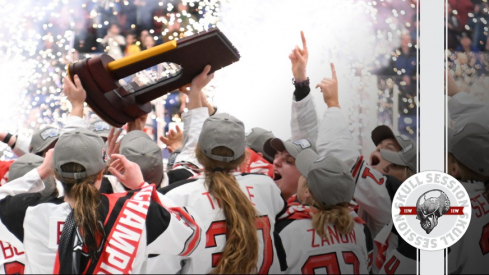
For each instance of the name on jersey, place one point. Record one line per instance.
(334, 237)
(10, 251)
(216, 203)
(480, 205)
(122, 243)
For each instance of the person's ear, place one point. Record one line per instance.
(100, 175)
(455, 170)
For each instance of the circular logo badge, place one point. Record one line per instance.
(431, 210)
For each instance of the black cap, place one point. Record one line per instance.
(382, 132)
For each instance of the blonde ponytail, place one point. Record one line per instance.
(86, 199)
(338, 215)
(240, 254)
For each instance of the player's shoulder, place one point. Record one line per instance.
(181, 186)
(284, 226)
(256, 176)
(257, 180)
(47, 205)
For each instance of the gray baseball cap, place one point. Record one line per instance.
(222, 130)
(257, 138)
(470, 146)
(23, 165)
(328, 178)
(100, 127)
(405, 157)
(138, 147)
(42, 139)
(383, 132)
(275, 145)
(80, 146)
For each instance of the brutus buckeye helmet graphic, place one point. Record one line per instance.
(430, 206)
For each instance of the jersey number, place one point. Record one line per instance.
(262, 223)
(391, 266)
(14, 268)
(330, 262)
(367, 173)
(484, 241)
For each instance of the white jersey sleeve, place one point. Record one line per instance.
(73, 123)
(372, 196)
(308, 253)
(193, 120)
(304, 119)
(181, 235)
(21, 145)
(335, 137)
(29, 183)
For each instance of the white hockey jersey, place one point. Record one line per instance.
(308, 253)
(470, 255)
(263, 194)
(39, 228)
(12, 258)
(401, 260)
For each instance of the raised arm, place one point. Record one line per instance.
(76, 95)
(334, 136)
(18, 144)
(304, 121)
(31, 182)
(195, 117)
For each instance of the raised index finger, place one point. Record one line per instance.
(333, 71)
(304, 44)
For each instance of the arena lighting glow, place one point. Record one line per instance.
(36, 41)
(352, 34)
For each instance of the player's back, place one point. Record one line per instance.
(309, 253)
(470, 255)
(194, 196)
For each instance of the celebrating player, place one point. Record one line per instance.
(97, 223)
(236, 210)
(468, 148)
(332, 237)
(376, 180)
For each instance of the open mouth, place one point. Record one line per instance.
(374, 161)
(276, 176)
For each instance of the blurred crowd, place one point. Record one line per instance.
(467, 45)
(121, 28)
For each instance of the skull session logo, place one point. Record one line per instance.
(431, 210)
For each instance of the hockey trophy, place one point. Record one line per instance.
(119, 91)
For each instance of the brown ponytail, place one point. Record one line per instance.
(338, 215)
(240, 254)
(87, 201)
